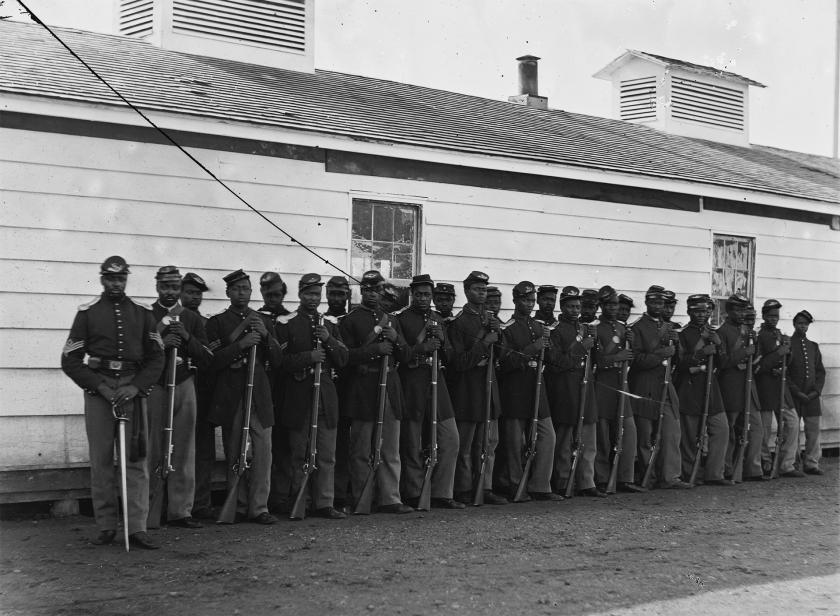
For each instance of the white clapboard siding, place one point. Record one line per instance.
(49, 391)
(807, 269)
(37, 441)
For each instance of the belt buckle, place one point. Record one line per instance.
(116, 366)
(532, 363)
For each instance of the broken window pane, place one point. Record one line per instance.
(386, 238)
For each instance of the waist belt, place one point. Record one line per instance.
(114, 365)
(419, 362)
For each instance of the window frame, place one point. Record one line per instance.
(719, 312)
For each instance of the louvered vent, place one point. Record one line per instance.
(136, 17)
(638, 99)
(696, 101)
(278, 24)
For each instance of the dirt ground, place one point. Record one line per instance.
(582, 556)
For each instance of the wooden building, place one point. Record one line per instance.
(368, 173)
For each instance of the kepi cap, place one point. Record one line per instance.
(738, 301)
(806, 314)
(168, 273)
(271, 278)
(235, 277)
(309, 280)
(389, 290)
(569, 292)
(770, 304)
(114, 265)
(476, 278)
(195, 280)
(422, 279)
(589, 296)
(669, 296)
(523, 289)
(371, 278)
(655, 292)
(626, 300)
(493, 292)
(444, 288)
(698, 301)
(546, 288)
(338, 282)
(607, 294)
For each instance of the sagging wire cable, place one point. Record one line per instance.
(183, 150)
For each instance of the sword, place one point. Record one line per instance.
(122, 419)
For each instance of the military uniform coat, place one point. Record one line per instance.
(564, 375)
(467, 370)
(732, 366)
(120, 331)
(768, 376)
(608, 372)
(229, 368)
(691, 385)
(362, 394)
(518, 372)
(647, 372)
(806, 374)
(194, 352)
(416, 371)
(295, 333)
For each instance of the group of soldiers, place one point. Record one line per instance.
(392, 409)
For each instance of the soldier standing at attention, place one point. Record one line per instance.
(424, 333)
(338, 294)
(273, 291)
(298, 333)
(493, 301)
(193, 288)
(773, 349)
(371, 334)
(232, 333)
(472, 332)
(668, 309)
(182, 330)
(125, 360)
(443, 297)
(806, 376)
(610, 354)
(523, 340)
(736, 356)
(588, 305)
(546, 301)
(653, 344)
(570, 343)
(625, 306)
(697, 342)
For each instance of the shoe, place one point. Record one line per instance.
(205, 513)
(331, 513)
(412, 502)
(719, 482)
(399, 508)
(813, 471)
(526, 498)
(594, 492)
(142, 540)
(676, 485)
(491, 498)
(793, 473)
(447, 503)
(547, 496)
(105, 537)
(466, 497)
(264, 518)
(630, 487)
(187, 522)
(756, 478)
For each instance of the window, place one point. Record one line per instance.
(733, 266)
(385, 238)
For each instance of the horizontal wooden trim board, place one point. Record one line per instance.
(337, 161)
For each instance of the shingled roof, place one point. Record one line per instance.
(377, 110)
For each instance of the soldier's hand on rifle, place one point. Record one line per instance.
(709, 349)
(785, 348)
(125, 393)
(389, 333)
(322, 333)
(385, 348)
(317, 355)
(587, 343)
(625, 355)
(171, 340)
(533, 349)
(256, 324)
(430, 344)
(177, 328)
(491, 337)
(105, 391)
(665, 352)
(493, 323)
(750, 350)
(434, 330)
(250, 339)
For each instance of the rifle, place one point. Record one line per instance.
(122, 419)
(777, 459)
(577, 452)
(424, 503)
(166, 463)
(298, 511)
(478, 493)
(531, 451)
(704, 419)
(744, 437)
(622, 405)
(655, 446)
(365, 502)
(228, 513)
